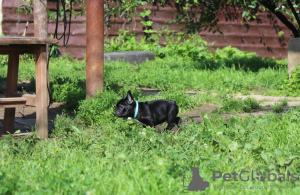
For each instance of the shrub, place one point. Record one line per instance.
(194, 47)
(278, 107)
(250, 104)
(238, 105)
(233, 57)
(292, 85)
(98, 109)
(70, 92)
(284, 102)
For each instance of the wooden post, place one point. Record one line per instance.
(42, 99)
(94, 46)
(42, 96)
(40, 18)
(293, 54)
(11, 88)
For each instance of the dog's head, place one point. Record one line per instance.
(125, 107)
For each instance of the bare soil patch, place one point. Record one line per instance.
(26, 117)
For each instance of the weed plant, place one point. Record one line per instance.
(292, 86)
(284, 102)
(233, 105)
(277, 107)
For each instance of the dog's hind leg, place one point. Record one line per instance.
(170, 126)
(172, 118)
(178, 121)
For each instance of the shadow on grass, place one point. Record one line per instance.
(245, 63)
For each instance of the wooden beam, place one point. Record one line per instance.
(27, 40)
(11, 87)
(12, 102)
(42, 96)
(18, 135)
(21, 49)
(30, 99)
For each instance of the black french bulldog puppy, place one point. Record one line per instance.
(149, 113)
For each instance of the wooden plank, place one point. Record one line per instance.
(20, 49)
(17, 135)
(11, 15)
(42, 96)
(27, 40)
(30, 99)
(18, 30)
(11, 87)
(51, 4)
(12, 102)
(77, 52)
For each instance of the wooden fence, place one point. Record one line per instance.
(260, 36)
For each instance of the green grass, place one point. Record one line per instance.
(93, 152)
(120, 157)
(277, 107)
(284, 102)
(233, 105)
(67, 77)
(182, 73)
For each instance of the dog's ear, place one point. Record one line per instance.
(123, 96)
(129, 97)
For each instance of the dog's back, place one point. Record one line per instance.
(164, 111)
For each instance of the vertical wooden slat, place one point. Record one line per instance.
(42, 99)
(11, 87)
(42, 96)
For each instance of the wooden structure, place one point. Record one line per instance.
(38, 45)
(15, 46)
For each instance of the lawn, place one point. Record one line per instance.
(92, 152)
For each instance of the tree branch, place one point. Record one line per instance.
(280, 16)
(293, 11)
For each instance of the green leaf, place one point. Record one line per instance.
(266, 156)
(233, 146)
(18, 131)
(76, 130)
(149, 31)
(145, 13)
(248, 146)
(245, 13)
